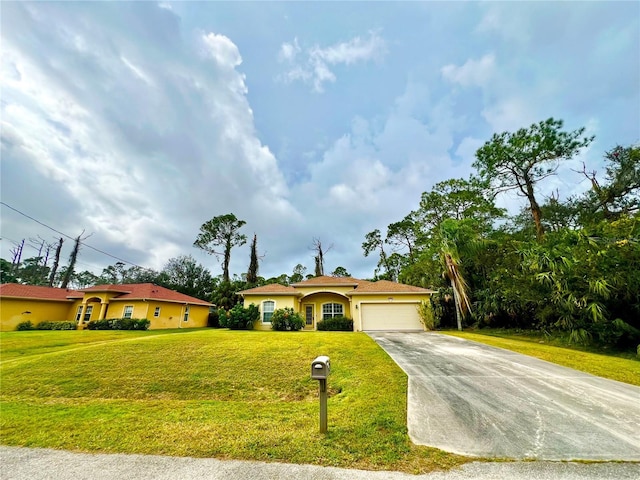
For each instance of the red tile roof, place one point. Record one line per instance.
(15, 290)
(271, 289)
(134, 291)
(145, 291)
(126, 288)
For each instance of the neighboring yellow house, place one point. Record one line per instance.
(164, 308)
(380, 305)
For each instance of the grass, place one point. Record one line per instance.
(622, 367)
(209, 393)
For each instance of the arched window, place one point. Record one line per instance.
(330, 310)
(268, 307)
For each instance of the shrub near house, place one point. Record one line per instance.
(286, 319)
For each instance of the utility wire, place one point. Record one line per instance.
(72, 238)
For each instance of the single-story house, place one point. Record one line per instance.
(381, 305)
(163, 307)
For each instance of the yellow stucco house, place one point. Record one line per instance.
(380, 305)
(163, 307)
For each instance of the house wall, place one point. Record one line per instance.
(281, 301)
(41, 310)
(171, 313)
(358, 300)
(318, 299)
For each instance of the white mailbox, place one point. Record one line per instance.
(320, 368)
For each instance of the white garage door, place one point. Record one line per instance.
(390, 316)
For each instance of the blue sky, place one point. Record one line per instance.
(138, 122)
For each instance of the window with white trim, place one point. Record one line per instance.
(128, 311)
(156, 313)
(267, 310)
(186, 313)
(330, 310)
(79, 314)
(87, 313)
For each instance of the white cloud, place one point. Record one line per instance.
(316, 68)
(375, 174)
(472, 72)
(510, 113)
(151, 151)
(288, 51)
(222, 49)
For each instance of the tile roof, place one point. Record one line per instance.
(134, 291)
(385, 286)
(271, 289)
(146, 291)
(124, 288)
(327, 281)
(16, 290)
(361, 287)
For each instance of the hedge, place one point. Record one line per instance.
(47, 325)
(119, 324)
(342, 324)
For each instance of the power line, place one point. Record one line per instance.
(72, 238)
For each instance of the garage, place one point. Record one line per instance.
(390, 316)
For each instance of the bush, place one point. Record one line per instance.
(336, 324)
(56, 326)
(286, 319)
(119, 324)
(239, 318)
(23, 326)
(428, 319)
(213, 320)
(444, 308)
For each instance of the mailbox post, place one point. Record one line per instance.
(320, 369)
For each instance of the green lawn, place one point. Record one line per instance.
(620, 367)
(209, 393)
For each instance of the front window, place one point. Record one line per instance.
(157, 312)
(79, 314)
(87, 313)
(128, 311)
(267, 311)
(330, 310)
(186, 313)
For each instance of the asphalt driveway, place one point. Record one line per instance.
(473, 399)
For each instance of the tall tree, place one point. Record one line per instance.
(252, 272)
(56, 262)
(449, 230)
(404, 234)
(218, 236)
(518, 161)
(620, 193)
(6, 272)
(72, 262)
(372, 242)
(33, 272)
(340, 272)
(114, 274)
(457, 199)
(185, 275)
(319, 256)
(298, 273)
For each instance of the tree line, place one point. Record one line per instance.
(564, 264)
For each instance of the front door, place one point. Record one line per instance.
(308, 315)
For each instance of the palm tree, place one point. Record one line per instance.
(451, 260)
